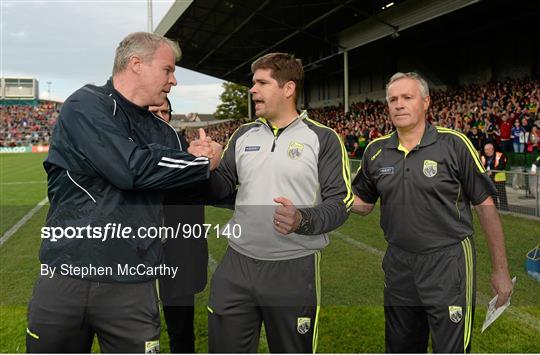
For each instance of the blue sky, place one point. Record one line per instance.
(72, 43)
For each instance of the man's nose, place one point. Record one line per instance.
(172, 80)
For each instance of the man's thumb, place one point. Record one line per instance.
(202, 134)
(284, 201)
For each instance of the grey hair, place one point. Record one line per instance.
(143, 44)
(424, 88)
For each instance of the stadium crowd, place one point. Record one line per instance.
(506, 113)
(23, 125)
(502, 112)
(220, 132)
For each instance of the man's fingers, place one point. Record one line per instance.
(502, 299)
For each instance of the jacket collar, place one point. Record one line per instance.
(429, 137)
(303, 115)
(121, 99)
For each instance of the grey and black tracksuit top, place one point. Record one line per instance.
(109, 162)
(305, 162)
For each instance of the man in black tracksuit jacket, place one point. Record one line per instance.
(108, 165)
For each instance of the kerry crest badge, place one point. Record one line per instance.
(303, 325)
(295, 150)
(455, 313)
(430, 168)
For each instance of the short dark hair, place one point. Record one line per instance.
(285, 67)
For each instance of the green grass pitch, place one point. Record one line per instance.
(351, 318)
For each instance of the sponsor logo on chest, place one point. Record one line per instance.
(252, 148)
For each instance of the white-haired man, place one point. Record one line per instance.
(427, 177)
(108, 165)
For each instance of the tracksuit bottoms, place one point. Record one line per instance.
(246, 292)
(65, 313)
(430, 293)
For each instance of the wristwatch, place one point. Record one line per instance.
(305, 226)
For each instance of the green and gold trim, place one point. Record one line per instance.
(469, 284)
(468, 144)
(345, 165)
(317, 257)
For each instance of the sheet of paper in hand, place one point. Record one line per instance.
(492, 314)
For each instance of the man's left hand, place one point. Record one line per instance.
(287, 218)
(501, 285)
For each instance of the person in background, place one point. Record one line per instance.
(493, 160)
(518, 137)
(182, 207)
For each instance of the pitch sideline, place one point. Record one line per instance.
(23, 221)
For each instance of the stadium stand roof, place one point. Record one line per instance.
(222, 38)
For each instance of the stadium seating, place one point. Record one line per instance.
(461, 108)
(23, 125)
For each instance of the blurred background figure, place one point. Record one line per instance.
(493, 160)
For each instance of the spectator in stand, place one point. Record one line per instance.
(373, 133)
(350, 139)
(477, 138)
(493, 160)
(518, 137)
(492, 132)
(506, 135)
(358, 151)
(533, 145)
(526, 124)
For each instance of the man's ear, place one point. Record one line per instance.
(290, 89)
(135, 64)
(427, 100)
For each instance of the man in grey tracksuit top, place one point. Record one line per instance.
(293, 186)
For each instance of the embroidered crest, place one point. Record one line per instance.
(151, 347)
(455, 313)
(303, 324)
(295, 150)
(430, 168)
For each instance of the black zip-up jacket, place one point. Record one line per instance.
(108, 165)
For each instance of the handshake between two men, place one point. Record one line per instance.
(206, 147)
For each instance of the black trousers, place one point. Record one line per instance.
(179, 319)
(429, 293)
(65, 313)
(246, 292)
